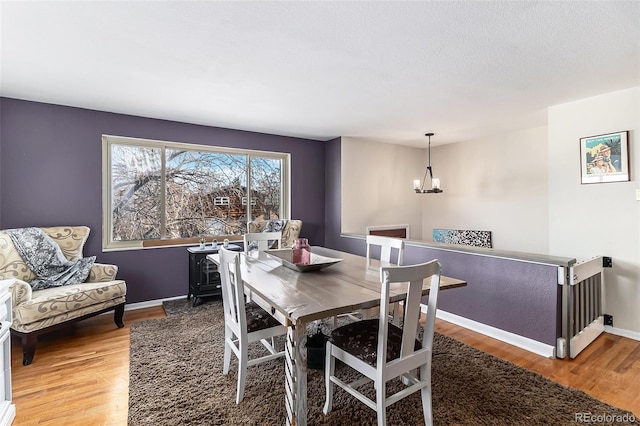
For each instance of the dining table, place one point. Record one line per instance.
(296, 297)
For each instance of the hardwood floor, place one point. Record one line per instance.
(80, 376)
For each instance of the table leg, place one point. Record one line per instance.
(296, 376)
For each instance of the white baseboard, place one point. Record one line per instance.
(622, 332)
(150, 303)
(525, 343)
(8, 412)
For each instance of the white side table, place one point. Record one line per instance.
(7, 409)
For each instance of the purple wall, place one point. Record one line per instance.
(515, 296)
(51, 174)
(333, 193)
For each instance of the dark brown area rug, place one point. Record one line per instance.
(176, 379)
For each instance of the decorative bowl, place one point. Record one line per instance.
(317, 262)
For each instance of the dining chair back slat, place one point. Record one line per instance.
(386, 244)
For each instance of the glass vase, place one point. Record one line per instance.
(301, 252)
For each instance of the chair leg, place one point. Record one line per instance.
(227, 351)
(118, 315)
(28, 348)
(380, 399)
(329, 369)
(427, 409)
(242, 371)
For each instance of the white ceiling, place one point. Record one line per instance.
(388, 71)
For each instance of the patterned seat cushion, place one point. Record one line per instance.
(360, 339)
(52, 302)
(258, 319)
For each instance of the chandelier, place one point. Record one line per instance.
(435, 182)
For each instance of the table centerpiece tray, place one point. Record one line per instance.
(317, 262)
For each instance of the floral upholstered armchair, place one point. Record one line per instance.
(39, 308)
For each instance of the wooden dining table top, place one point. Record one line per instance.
(295, 297)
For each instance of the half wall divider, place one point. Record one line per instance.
(549, 305)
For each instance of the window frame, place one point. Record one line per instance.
(108, 244)
(221, 201)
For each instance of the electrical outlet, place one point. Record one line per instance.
(607, 262)
(608, 320)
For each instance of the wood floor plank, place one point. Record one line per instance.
(80, 375)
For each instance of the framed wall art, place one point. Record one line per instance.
(605, 158)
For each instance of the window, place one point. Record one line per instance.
(154, 190)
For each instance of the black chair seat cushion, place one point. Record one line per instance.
(258, 319)
(360, 339)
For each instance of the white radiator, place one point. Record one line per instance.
(583, 319)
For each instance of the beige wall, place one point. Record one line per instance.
(377, 182)
(496, 184)
(598, 219)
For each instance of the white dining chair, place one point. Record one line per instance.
(381, 351)
(262, 241)
(244, 323)
(387, 246)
